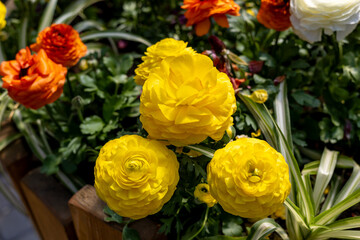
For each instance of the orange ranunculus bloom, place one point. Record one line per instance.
(275, 14)
(61, 43)
(199, 11)
(33, 80)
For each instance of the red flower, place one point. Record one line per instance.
(275, 14)
(61, 43)
(199, 11)
(33, 80)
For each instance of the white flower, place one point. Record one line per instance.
(310, 17)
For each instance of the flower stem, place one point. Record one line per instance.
(203, 224)
(48, 110)
(71, 92)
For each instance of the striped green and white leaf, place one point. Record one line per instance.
(323, 176)
(113, 34)
(74, 10)
(264, 228)
(48, 15)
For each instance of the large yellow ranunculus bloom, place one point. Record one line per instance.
(136, 176)
(186, 100)
(2, 15)
(166, 48)
(249, 178)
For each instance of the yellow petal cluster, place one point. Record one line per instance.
(249, 178)
(202, 193)
(2, 15)
(186, 100)
(166, 48)
(135, 176)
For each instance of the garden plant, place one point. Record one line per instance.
(217, 119)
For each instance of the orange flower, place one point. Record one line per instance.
(199, 11)
(275, 14)
(33, 80)
(61, 43)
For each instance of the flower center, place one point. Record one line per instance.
(136, 167)
(133, 165)
(23, 72)
(254, 175)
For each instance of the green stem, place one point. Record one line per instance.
(203, 224)
(48, 110)
(71, 92)
(43, 136)
(80, 115)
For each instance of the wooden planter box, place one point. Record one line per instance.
(61, 215)
(55, 212)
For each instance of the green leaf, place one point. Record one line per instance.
(51, 164)
(258, 79)
(31, 137)
(8, 140)
(92, 125)
(351, 185)
(130, 234)
(265, 227)
(112, 216)
(329, 132)
(305, 99)
(332, 213)
(88, 24)
(224, 238)
(232, 227)
(73, 10)
(299, 64)
(23, 32)
(113, 34)
(325, 171)
(71, 147)
(48, 15)
(112, 104)
(343, 224)
(262, 118)
(346, 234)
(208, 152)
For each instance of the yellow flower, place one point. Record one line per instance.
(2, 15)
(259, 96)
(135, 176)
(166, 48)
(203, 195)
(249, 178)
(186, 100)
(280, 213)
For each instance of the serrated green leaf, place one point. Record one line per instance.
(305, 99)
(112, 216)
(232, 227)
(51, 164)
(92, 125)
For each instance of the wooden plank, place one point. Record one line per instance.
(48, 199)
(87, 211)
